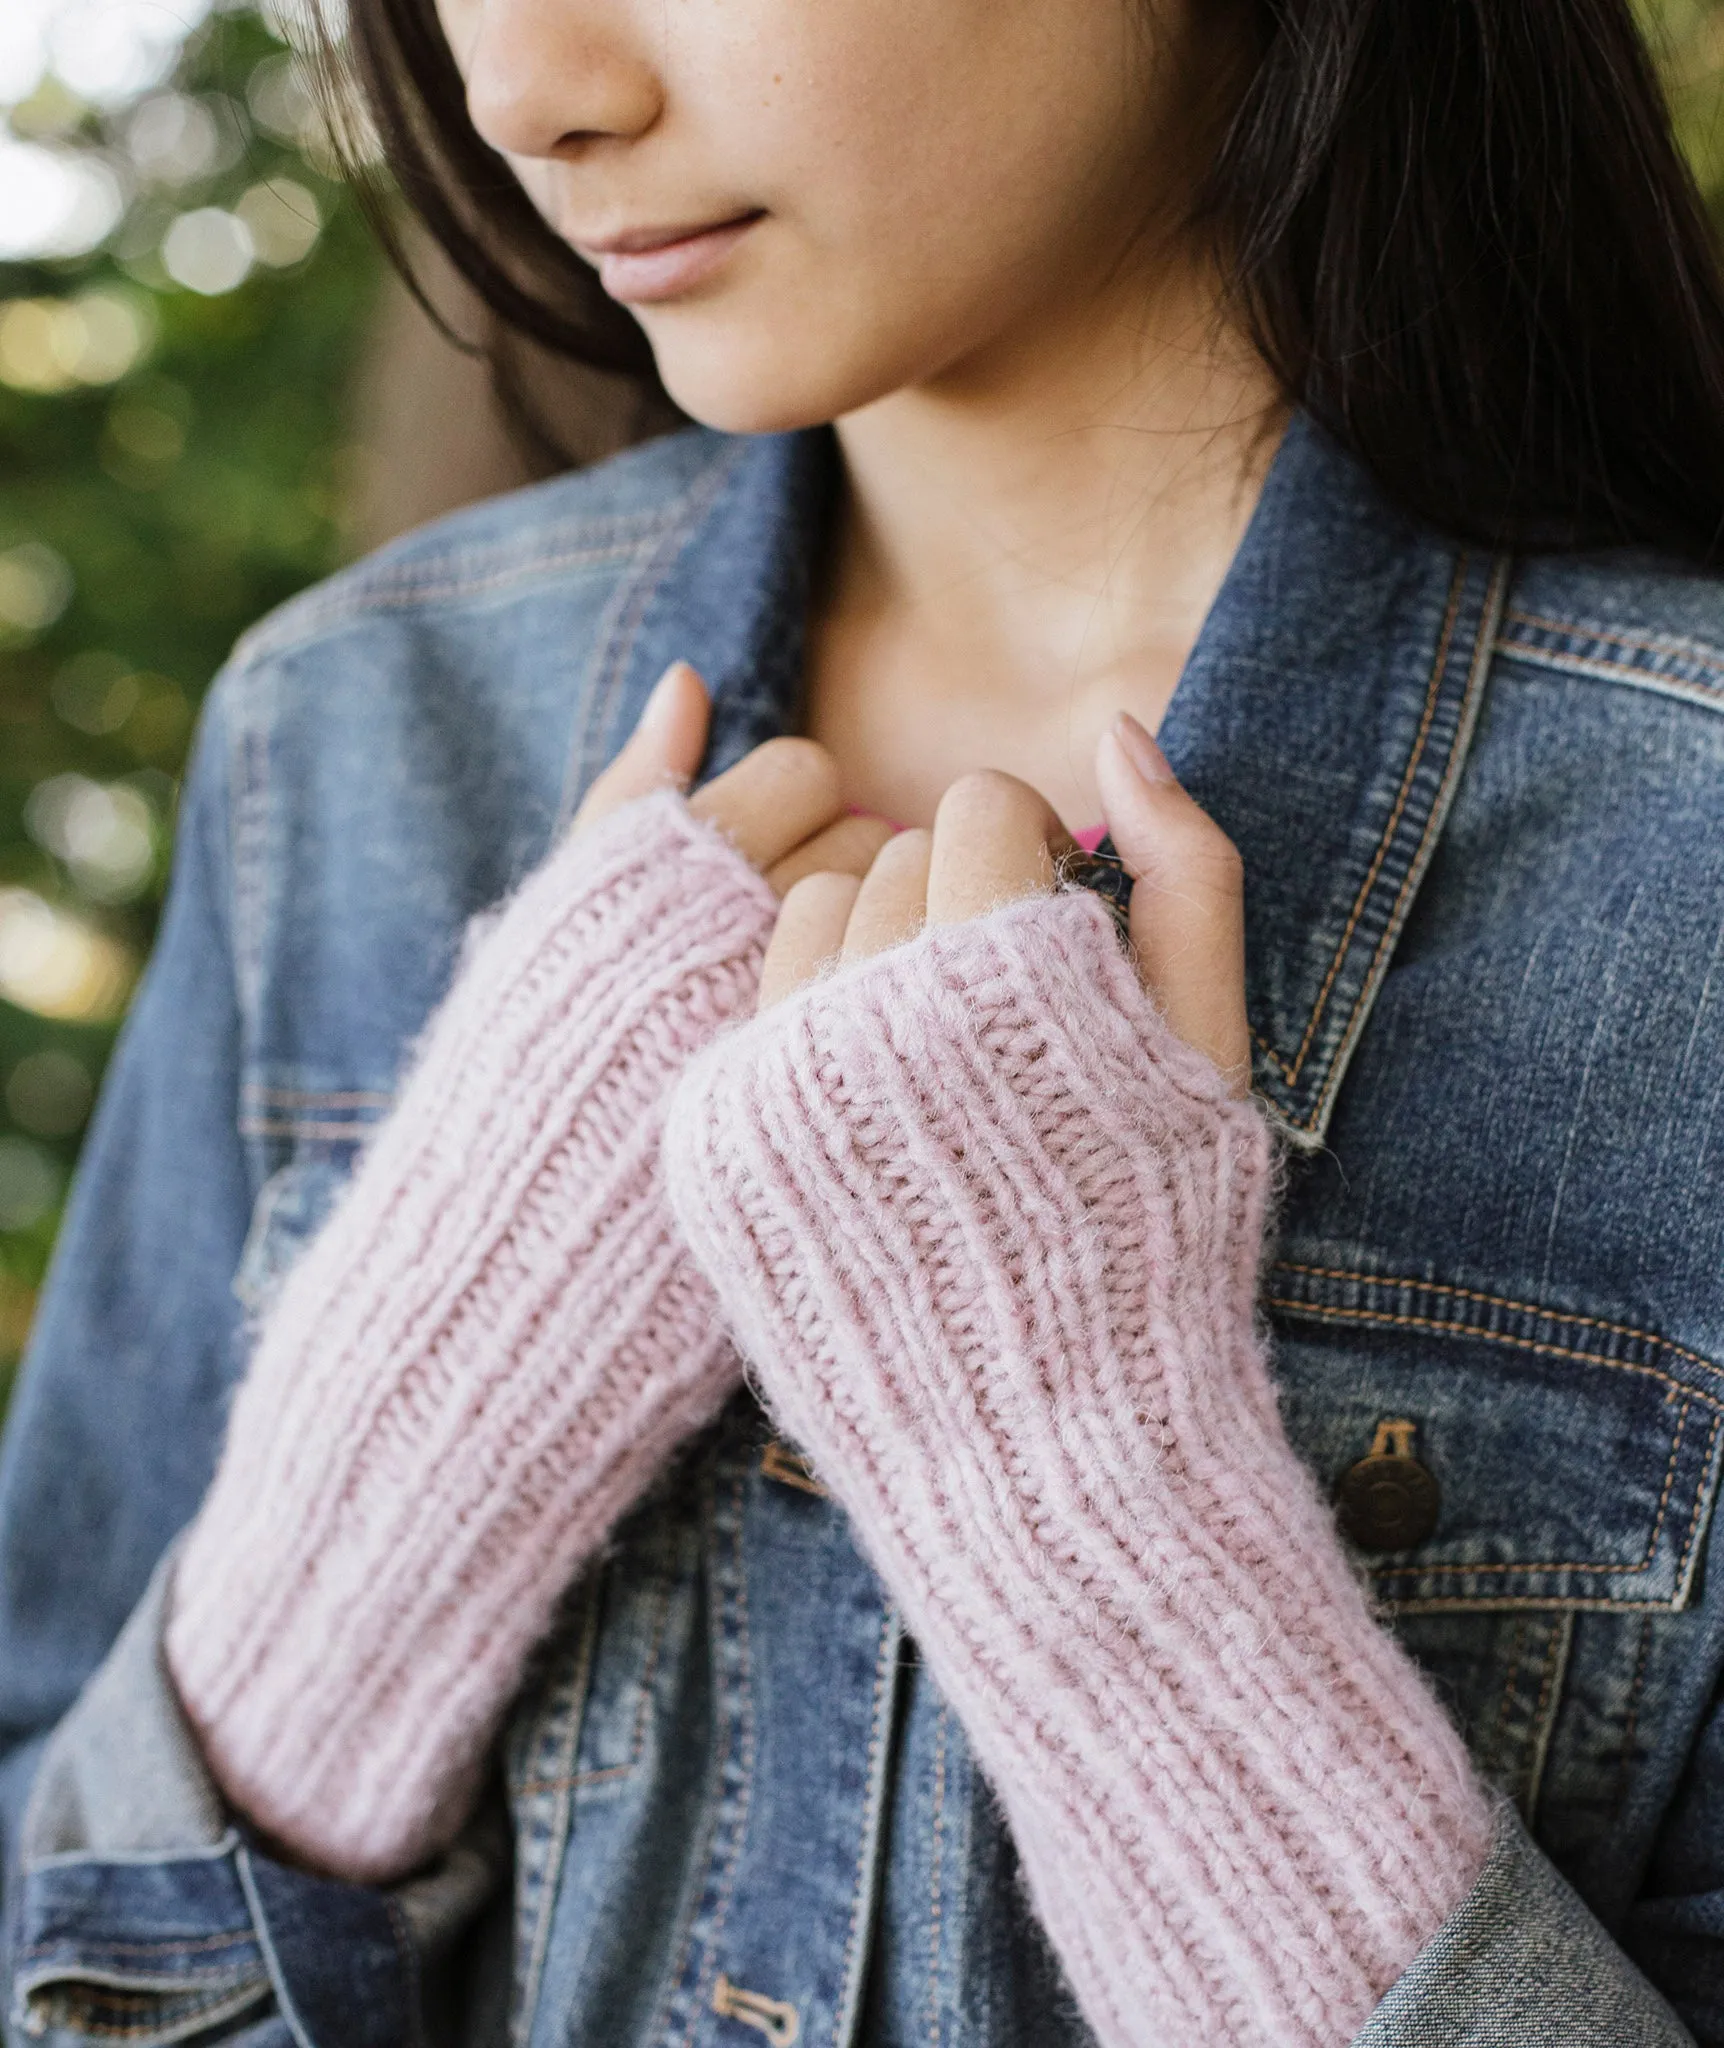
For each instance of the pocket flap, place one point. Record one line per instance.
(1575, 1460)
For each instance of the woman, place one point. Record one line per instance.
(1331, 386)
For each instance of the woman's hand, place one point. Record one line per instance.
(780, 805)
(995, 839)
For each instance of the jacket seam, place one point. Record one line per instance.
(1478, 670)
(1505, 1705)
(1290, 1072)
(1561, 1317)
(1631, 1717)
(383, 591)
(885, 1672)
(723, 1836)
(1535, 1748)
(614, 642)
(296, 1127)
(1325, 1313)
(295, 1098)
(249, 840)
(542, 1823)
(1508, 1603)
(173, 1945)
(202, 2007)
(1666, 646)
(1696, 1518)
(576, 1781)
(407, 1951)
(1703, 696)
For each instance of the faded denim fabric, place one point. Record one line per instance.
(1481, 807)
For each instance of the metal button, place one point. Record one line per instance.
(1388, 1500)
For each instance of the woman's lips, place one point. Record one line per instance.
(666, 268)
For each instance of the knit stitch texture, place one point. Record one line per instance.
(478, 1364)
(988, 1235)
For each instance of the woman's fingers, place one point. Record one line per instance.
(665, 746)
(995, 839)
(891, 905)
(830, 915)
(846, 848)
(773, 799)
(809, 933)
(1187, 902)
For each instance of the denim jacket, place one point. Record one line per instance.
(1481, 807)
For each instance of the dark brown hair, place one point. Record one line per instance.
(1460, 231)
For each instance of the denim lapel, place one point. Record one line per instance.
(1323, 717)
(1323, 720)
(731, 592)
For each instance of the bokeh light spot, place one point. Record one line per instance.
(157, 729)
(55, 202)
(109, 51)
(282, 219)
(50, 345)
(55, 965)
(208, 250)
(173, 139)
(144, 434)
(280, 100)
(35, 588)
(104, 832)
(48, 1093)
(95, 692)
(30, 1183)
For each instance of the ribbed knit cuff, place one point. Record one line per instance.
(989, 1236)
(479, 1363)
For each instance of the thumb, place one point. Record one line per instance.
(664, 748)
(1187, 899)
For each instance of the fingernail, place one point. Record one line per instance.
(1140, 749)
(663, 692)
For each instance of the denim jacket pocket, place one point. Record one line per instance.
(1567, 1471)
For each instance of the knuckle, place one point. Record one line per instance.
(1200, 844)
(988, 798)
(866, 837)
(811, 895)
(904, 852)
(799, 763)
(1222, 858)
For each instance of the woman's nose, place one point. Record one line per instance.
(545, 77)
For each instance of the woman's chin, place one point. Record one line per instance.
(744, 405)
(752, 383)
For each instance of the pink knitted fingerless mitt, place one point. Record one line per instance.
(478, 1364)
(989, 1236)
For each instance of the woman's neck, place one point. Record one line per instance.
(1028, 544)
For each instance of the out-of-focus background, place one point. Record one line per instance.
(211, 395)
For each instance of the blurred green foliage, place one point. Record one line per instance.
(1687, 39)
(173, 454)
(172, 464)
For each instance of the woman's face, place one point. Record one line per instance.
(854, 196)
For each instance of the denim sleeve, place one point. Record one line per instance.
(1522, 1963)
(118, 1409)
(144, 1909)
(135, 1909)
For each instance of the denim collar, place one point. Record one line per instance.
(1322, 718)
